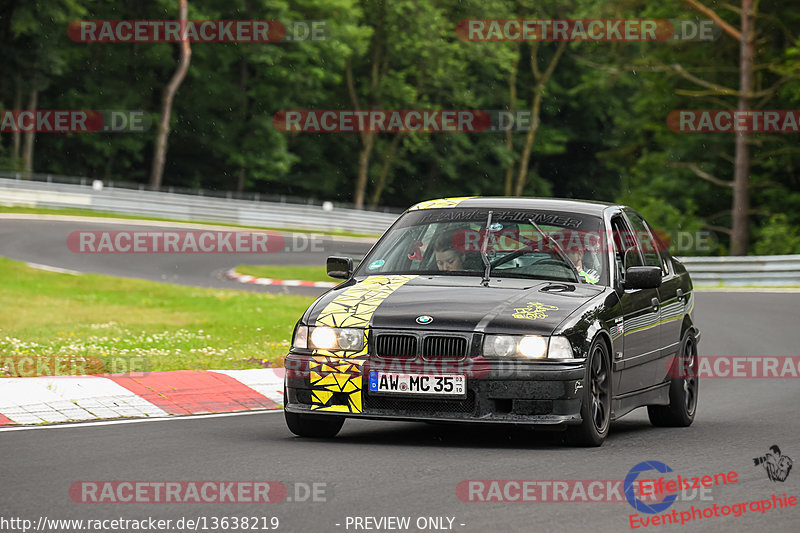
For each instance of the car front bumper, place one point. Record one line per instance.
(518, 392)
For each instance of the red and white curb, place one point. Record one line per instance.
(42, 400)
(244, 278)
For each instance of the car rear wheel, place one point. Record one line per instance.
(596, 401)
(682, 391)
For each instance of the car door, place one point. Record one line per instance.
(641, 313)
(670, 295)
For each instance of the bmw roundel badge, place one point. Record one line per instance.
(424, 319)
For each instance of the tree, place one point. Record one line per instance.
(33, 47)
(407, 64)
(601, 132)
(740, 185)
(689, 170)
(160, 155)
(542, 79)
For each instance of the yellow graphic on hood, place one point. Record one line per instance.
(533, 311)
(439, 204)
(339, 372)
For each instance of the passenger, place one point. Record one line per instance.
(447, 257)
(588, 274)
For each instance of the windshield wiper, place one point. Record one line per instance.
(488, 270)
(559, 250)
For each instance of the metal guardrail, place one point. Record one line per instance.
(210, 193)
(192, 207)
(772, 270)
(764, 270)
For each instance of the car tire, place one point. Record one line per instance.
(314, 426)
(596, 401)
(683, 389)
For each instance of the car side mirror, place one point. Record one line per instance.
(642, 277)
(340, 267)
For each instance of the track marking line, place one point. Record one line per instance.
(244, 278)
(54, 269)
(137, 420)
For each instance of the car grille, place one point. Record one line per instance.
(395, 345)
(444, 347)
(421, 406)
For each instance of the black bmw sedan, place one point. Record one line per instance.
(547, 312)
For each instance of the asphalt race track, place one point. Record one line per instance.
(379, 469)
(45, 242)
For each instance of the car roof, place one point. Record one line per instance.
(586, 207)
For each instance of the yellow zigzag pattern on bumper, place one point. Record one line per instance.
(335, 371)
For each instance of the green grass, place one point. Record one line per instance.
(304, 273)
(99, 324)
(73, 211)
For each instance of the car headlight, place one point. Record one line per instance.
(527, 346)
(351, 339)
(325, 338)
(500, 345)
(532, 346)
(300, 337)
(560, 348)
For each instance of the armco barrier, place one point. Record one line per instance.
(192, 207)
(764, 270)
(772, 270)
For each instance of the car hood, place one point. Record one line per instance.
(454, 303)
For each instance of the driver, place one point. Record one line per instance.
(447, 257)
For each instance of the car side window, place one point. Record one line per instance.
(662, 250)
(623, 240)
(645, 241)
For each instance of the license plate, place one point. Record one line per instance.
(418, 384)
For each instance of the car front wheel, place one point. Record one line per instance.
(596, 401)
(315, 426)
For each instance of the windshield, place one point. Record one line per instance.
(448, 242)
